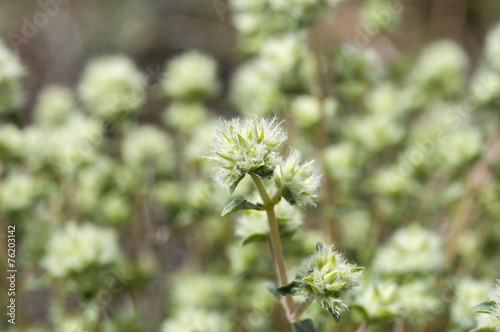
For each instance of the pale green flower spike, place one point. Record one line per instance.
(298, 182)
(246, 146)
(325, 277)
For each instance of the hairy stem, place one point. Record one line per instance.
(300, 310)
(362, 327)
(276, 247)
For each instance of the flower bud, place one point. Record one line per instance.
(297, 182)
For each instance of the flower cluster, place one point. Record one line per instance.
(78, 247)
(54, 106)
(490, 311)
(191, 76)
(246, 146)
(112, 86)
(326, 277)
(11, 72)
(410, 251)
(195, 320)
(441, 67)
(297, 182)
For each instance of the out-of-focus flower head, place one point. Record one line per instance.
(306, 110)
(441, 69)
(297, 182)
(492, 51)
(147, 146)
(185, 117)
(340, 161)
(411, 251)
(18, 192)
(54, 104)
(485, 89)
(196, 320)
(468, 292)
(11, 72)
(75, 248)
(375, 131)
(246, 146)
(460, 146)
(378, 300)
(191, 76)
(254, 92)
(111, 87)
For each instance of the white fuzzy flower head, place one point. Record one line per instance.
(78, 247)
(246, 146)
(18, 192)
(468, 292)
(297, 182)
(485, 88)
(492, 51)
(376, 131)
(379, 299)
(340, 161)
(442, 66)
(196, 320)
(326, 277)
(192, 76)
(411, 251)
(54, 105)
(253, 91)
(460, 146)
(491, 316)
(11, 72)
(185, 117)
(148, 146)
(112, 86)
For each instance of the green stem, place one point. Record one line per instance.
(362, 327)
(276, 246)
(300, 310)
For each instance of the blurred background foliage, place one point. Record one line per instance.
(131, 238)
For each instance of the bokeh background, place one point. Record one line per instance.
(177, 255)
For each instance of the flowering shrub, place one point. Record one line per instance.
(298, 188)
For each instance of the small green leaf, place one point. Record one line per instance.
(485, 308)
(254, 238)
(335, 316)
(238, 205)
(483, 329)
(265, 173)
(286, 193)
(235, 183)
(271, 286)
(306, 325)
(361, 309)
(289, 289)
